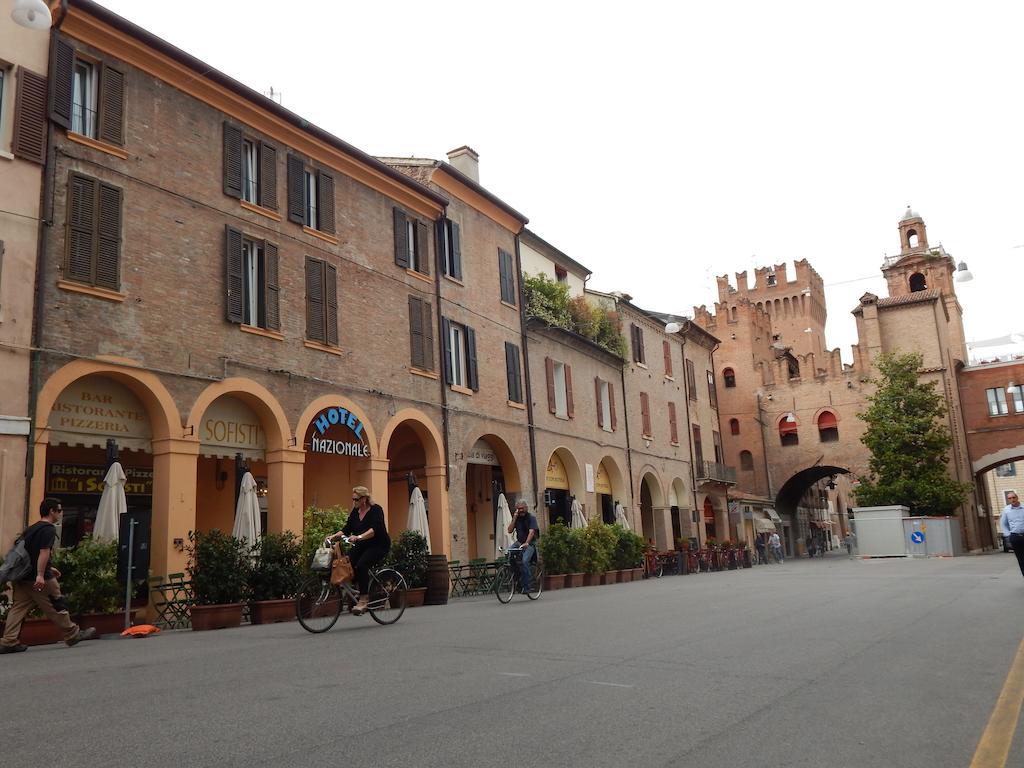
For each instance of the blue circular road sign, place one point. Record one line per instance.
(917, 537)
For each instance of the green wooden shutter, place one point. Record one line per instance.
(505, 277)
(81, 228)
(268, 176)
(232, 160)
(330, 304)
(401, 239)
(271, 286)
(108, 237)
(416, 332)
(428, 336)
(296, 193)
(110, 121)
(471, 370)
(62, 65)
(446, 347)
(233, 265)
(29, 140)
(314, 300)
(510, 370)
(325, 201)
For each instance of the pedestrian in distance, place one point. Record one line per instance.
(759, 544)
(40, 587)
(810, 543)
(776, 545)
(1012, 525)
(849, 541)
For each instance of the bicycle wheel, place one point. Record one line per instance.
(317, 604)
(387, 596)
(659, 568)
(504, 584)
(536, 581)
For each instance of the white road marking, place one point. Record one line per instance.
(613, 685)
(514, 674)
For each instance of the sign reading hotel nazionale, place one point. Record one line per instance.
(337, 431)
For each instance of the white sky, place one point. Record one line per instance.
(663, 143)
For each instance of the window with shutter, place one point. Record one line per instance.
(667, 351)
(267, 176)
(421, 334)
(549, 373)
(271, 287)
(513, 373)
(561, 379)
(325, 199)
(460, 355)
(87, 97)
(691, 381)
(29, 141)
(506, 273)
(673, 428)
(296, 190)
(234, 290)
(93, 247)
(450, 247)
(638, 344)
(611, 405)
(471, 369)
(599, 400)
(110, 117)
(331, 304)
(712, 391)
(645, 414)
(234, 182)
(315, 305)
(698, 451)
(401, 238)
(419, 258)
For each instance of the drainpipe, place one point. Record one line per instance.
(526, 375)
(625, 422)
(45, 222)
(439, 238)
(689, 440)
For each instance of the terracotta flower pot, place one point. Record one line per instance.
(638, 573)
(554, 581)
(414, 597)
(216, 616)
(573, 580)
(272, 611)
(105, 623)
(39, 632)
(610, 577)
(591, 579)
(625, 575)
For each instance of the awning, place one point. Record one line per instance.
(764, 525)
(773, 515)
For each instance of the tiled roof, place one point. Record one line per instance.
(910, 298)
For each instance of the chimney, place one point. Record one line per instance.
(466, 161)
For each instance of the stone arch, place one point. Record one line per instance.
(793, 489)
(421, 425)
(652, 507)
(257, 397)
(917, 282)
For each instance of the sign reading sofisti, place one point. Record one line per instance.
(337, 431)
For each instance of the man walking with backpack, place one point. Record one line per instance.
(35, 583)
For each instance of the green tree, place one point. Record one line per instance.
(909, 444)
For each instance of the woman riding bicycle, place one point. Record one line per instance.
(370, 542)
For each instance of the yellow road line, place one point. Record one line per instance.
(994, 746)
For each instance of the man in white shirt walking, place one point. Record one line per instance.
(1012, 525)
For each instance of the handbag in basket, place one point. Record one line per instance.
(341, 568)
(322, 558)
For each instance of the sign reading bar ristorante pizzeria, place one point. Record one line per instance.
(339, 432)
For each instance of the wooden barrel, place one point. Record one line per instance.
(437, 580)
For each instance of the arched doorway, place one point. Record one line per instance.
(412, 447)
(340, 448)
(807, 504)
(562, 483)
(608, 488)
(94, 421)
(678, 510)
(710, 527)
(491, 470)
(652, 506)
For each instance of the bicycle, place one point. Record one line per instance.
(653, 566)
(318, 603)
(508, 578)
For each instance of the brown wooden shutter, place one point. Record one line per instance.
(401, 239)
(81, 228)
(110, 121)
(62, 66)
(446, 347)
(296, 190)
(511, 371)
(428, 336)
(471, 369)
(325, 201)
(272, 286)
(233, 265)
(645, 414)
(456, 252)
(673, 428)
(549, 370)
(667, 349)
(632, 342)
(108, 237)
(422, 247)
(330, 304)
(597, 399)
(568, 390)
(29, 141)
(416, 332)
(268, 176)
(315, 300)
(232, 160)
(698, 450)
(611, 404)
(640, 345)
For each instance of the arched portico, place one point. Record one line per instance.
(563, 481)
(654, 524)
(610, 487)
(491, 470)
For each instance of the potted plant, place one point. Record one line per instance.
(574, 558)
(598, 543)
(554, 549)
(218, 566)
(317, 524)
(628, 554)
(409, 557)
(89, 582)
(274, 578)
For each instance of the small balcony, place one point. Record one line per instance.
(713, 472)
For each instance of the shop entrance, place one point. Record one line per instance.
(557, 500)
(485, 481)
(603, 489)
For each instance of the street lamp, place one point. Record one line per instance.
(963, 274)
(31, 14)
(673, 327)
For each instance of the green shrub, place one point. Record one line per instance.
(629, 549)
(89, 577)
(555, 547)
(317, 524)
(409, 557)
(598, 545)
(275, 571)
(574, 558)
(548, 301)
(218, 565)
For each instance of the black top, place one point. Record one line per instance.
(524, 523)
(39, 536)
(374, 519)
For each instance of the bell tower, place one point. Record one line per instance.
(913, 234)
(918, 267)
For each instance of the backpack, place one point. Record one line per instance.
(17, 563)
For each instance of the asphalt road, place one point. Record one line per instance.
(829, 662)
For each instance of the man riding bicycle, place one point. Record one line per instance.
(524, 526)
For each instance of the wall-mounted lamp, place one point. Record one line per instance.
(179, 544)
(963, 274)
(831, 484)
(790, 418)
(190, 430)
(31, 14)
